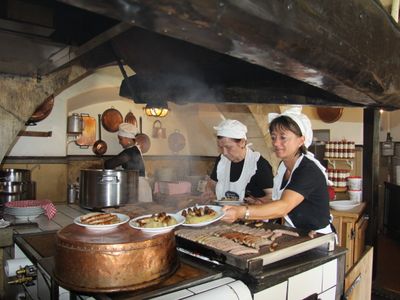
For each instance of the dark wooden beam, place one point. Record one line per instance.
(371, 167)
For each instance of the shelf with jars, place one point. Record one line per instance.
(339, 179)
(339, 151)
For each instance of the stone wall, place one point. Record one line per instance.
(20, 96)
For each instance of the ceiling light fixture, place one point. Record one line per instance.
(156, 110)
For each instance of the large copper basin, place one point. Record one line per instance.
(120, 259)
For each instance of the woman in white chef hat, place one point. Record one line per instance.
(239, 173)
(131, 159)
(301, 184)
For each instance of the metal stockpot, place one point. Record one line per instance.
(108, 188)
(74, 124)
(14, 191)
(15, 175)
(11, 187)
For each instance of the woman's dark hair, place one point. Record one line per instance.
(286, 123)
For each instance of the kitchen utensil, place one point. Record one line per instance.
(355, 195)
(178, 217)
(107, 188)
(176, 141)
(130, 118)
(329, 114)
(354, 183)
(142, 139)
(122, 219)
(35, 133)
(42, 111)
(74, 124)
(88, 136)
(111, 118)
(15, 175)
(158, 131)
(343, 205)
(100, 146)
(124, 259)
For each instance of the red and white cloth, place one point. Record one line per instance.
(49, 209)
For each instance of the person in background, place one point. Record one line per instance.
(131, 159)
(300, 191)
(239, 173)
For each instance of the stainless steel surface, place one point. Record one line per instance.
(11, 187)
(15, 175)
(287, 246)
(108, 188)
(74, 124)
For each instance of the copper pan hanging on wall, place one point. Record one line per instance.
(130, 118)
(142, 139)
(329, 114)
(110, 119)
(42, 111)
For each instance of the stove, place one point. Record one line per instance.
(203, 268)
(40, 249)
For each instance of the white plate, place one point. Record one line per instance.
(343, 205)
(123, 219)
(23, 211)
(226, 202)
(133, 223)
(27, 218)
(218, 210)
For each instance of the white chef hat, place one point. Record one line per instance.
(304, 123)
(231, 129)
(127, 130)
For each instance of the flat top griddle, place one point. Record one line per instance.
(287, 246)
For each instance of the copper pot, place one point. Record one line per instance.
(120, 259)
(111, 119)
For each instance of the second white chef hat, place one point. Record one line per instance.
(127, 130)
(231, 129)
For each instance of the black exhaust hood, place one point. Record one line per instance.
(342, 53)
(180, 72)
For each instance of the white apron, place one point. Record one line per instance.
(277, 191)
(224, 183)
(145, 194)
(144, 190)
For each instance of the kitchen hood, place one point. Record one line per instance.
(314, 52)
(340, 53)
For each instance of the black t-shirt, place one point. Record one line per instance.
(313, 212)
(262, 179)
(129, 159)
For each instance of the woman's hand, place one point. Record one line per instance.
(233, 213)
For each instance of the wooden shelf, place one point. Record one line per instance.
(340, 189)
(332, 161)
